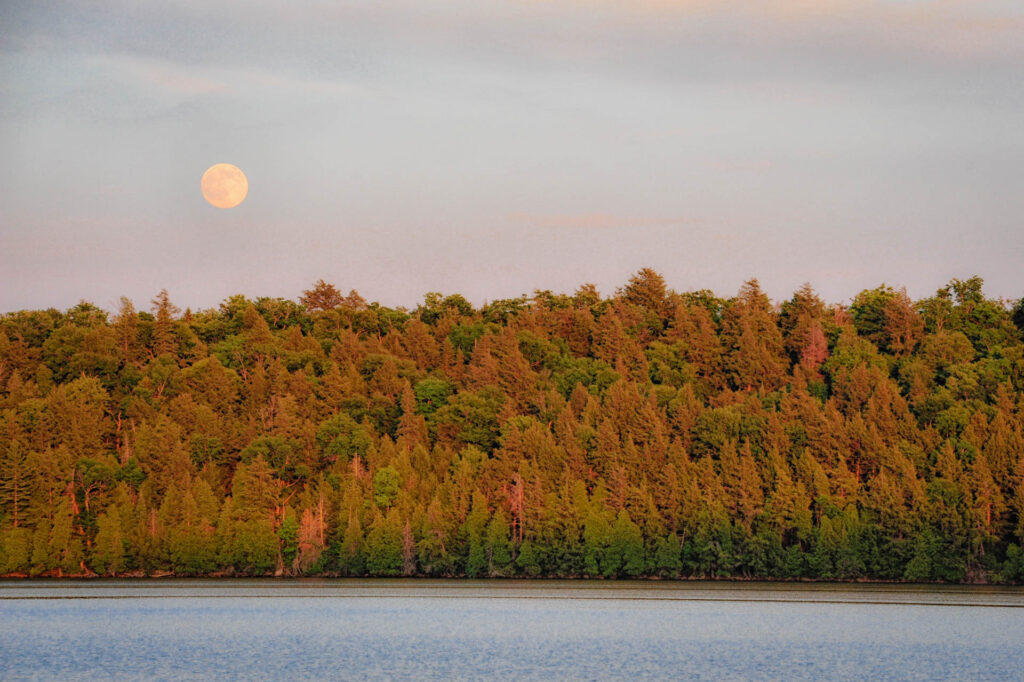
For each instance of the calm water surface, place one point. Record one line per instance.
(260, 629)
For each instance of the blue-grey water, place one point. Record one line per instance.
(341, 629)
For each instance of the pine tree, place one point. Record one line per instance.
(108, 548)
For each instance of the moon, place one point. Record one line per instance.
(224, 185)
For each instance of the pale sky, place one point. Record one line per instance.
(493, 148)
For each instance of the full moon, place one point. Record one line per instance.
(224, 185)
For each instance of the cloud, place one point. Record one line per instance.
(662, 40)
(161, 74)
(830, 29)
(596, 221)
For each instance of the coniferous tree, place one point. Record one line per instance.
(647, 433)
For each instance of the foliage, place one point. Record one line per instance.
(651, 433)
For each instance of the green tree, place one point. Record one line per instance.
(384, 545)
(108, 549)
(626, 547)
(474, 530)
(15, 550)
(386, 485)
(499, 545)
(340, 437)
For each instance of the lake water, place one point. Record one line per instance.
(355, 629)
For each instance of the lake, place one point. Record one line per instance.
(420, 629)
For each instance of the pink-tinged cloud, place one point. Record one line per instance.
(164, 75)
(942, 27)
(596, 221)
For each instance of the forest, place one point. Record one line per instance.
(649, 433)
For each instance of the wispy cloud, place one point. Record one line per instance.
(597, 221)
(161, 74)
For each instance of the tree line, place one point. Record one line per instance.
(647, 433)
